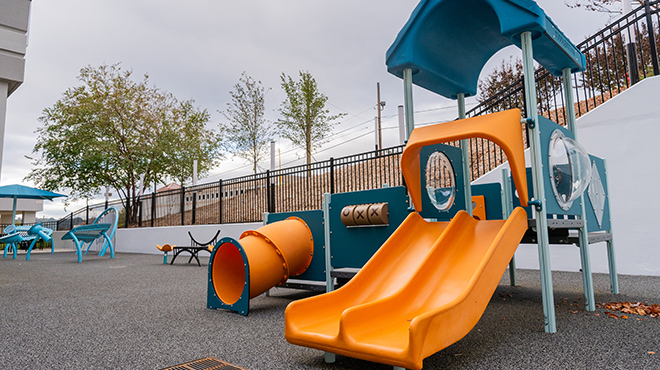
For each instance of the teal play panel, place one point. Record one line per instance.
(353, 246)
(492, 194)
(454, 154)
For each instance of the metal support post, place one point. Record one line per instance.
(651, 32)
(631, 46)
(465, 149)
(539, 191)
(611, 256)
(507, 208)
(4, 94)
(153, 207)
(329, 283)
(583, 236)
(408, 101)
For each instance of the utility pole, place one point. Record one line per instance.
(379, 107)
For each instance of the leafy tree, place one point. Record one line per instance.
(305, 119)
(498, 87)
(247, 133)
(508, 75)
(603, 6)
(111, 129)
(607, 63)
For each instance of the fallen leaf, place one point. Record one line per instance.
(651, 353)
(624, 316)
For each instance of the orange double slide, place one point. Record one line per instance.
(424, 289)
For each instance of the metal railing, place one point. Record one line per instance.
(246, 198)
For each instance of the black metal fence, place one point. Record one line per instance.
(246, 198)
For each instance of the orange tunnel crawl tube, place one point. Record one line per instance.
(259, 260)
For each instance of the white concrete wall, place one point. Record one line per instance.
(144, 240)
(626, 132)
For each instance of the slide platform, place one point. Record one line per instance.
(424, 289)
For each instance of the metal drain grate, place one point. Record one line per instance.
(208, 363)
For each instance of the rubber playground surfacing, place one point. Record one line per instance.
(133, 312)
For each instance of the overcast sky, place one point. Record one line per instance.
(197, 49)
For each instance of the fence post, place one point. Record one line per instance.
(183, 205)
(220, 201)
(71, 223)
(153, 208)
(332, 175)
(268, 198)
(140, 211)
(127, 210)
(651, 31)
(87, 214)
(194, 207)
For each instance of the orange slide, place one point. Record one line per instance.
(424, 289)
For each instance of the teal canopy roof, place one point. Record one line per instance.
(447, 42)
(26, 192)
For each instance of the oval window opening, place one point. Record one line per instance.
(440, 181)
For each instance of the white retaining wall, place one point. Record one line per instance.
(144, 240)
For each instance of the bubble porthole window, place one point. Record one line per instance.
(570, 169)
(440, 181)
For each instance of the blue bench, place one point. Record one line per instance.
(17, 234)
(90, 233)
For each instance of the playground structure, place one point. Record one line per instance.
(427, 273)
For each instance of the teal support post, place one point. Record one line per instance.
(329, 282)
(165, 258)
(507, 208)
(264, 223)
(583, 234)
(465, 148)
(539, 190)
(408, 101)
(611, 256)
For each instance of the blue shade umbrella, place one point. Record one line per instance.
(25, 192)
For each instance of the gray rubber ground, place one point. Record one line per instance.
(133, 312)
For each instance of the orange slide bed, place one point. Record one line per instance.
(424, 289)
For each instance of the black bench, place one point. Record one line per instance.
(194, 248)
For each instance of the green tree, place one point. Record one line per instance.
(247, 133)
(602, 6)
(111, 129)
(305, 119)
(498, 87)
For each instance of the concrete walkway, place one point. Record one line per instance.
(133, 312)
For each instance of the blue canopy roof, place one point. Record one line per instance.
(447, 42)
(26, 192)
